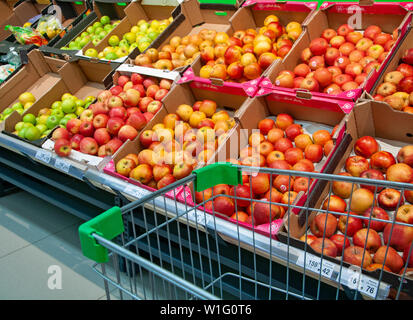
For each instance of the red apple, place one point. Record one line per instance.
(382, 160)
(62, 147)
(102, 136)
(375, 213)
(358, 256)
(88, 145)
(356, 165)
(341, 242)
(390, 199)
(325, 247)
(349, 225)
(323, 224)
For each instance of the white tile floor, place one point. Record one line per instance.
(34, 236)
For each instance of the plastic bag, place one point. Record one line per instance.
(27, 35)
(49, 26)
(12, 58)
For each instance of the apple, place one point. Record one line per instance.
(399, 172)
(73, 125)
(316, 62)
(372, 174)
(265, 212)
(325, 247)
(224, 205)
(386, 89)
(136, 120)
(323, 225)
(265, 125)
(405, 214)
(283, 144)
(382, 160)
(115, 90)
(346, 48)
(406, 84)
(341, 242)
(367, 238)
(323, 76)
(331, 55)
(102, 136)
(124, 166)
(356, 165)
(401, 236)
(75, 141)
(321, 137)
(405, 155)
(88, 145)
(62, 147)
(349, 225)
(118, 112)
(328, 34)
(390, 199)
(337, 41)
(334, 203)
(358, 256)
(292, 131)
(372, 32)
(127, 132)
(341, 188)
(364, 43)
(361, 200)
(375, 213)
(104, 96)
(310, 84)
(406, 69)
(302, 141)
(284, 80)
(260, 183)
(344, 30)
(303, 165)
(389, 257)
(99, 108)
(318, 46)
(114, 124)
(61, 133)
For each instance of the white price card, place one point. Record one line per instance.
(62, 165)
(135, 191)
(43, 156)
(364, 284)
(314, 263)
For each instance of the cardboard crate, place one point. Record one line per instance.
(311, 117)
(368, 118)
(80, 77)
(134, 12)
(252, 15)
(112, 8)
(38, 75)
(190, 18)
(180, 94)
(394, 62)
(389, 16)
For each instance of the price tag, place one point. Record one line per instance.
(135, 191)
(62, 165)
(364, 284)
(43, 156)
(314, 263)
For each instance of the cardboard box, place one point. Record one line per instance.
(252, 15)
(134, 12)
(388, 16)
(113, 9)
(81, 78)
(394, 61)
(37, 76)
(376, 119)
(180, 94)
(190, 18)
(311, 117)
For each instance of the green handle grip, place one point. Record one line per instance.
(217, 173)
(109, 224)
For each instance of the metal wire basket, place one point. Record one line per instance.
(179, 247)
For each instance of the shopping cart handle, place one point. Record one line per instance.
(108, 225)
(217, 173)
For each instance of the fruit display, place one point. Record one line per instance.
(49, 26)
(171, 149)
(118, 114)
(25, 101)
(365, 203)
(397, 86)
(279, 143)
(93, 33)
(338, 60)
(139, 36)
(237, 57)
(33, 127)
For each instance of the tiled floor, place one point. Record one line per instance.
(37, 241)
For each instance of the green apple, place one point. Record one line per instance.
(130, 37)
(79, 110)
(67, 95)
(98, 30)
(123, 43)
(22, 132)
(17, 106)
(90, 99)
(111, 56)
(108, 28)
(132, 47)
(32, 134)
(155, 24)
(84, 41)
(153, 35)
(91, 52)
(52, 121)
(69, 106)
(58, 113)
(80, 103)
(70, 116)
(143, 46)
(56, 105)
(144, 27)
(90, 29)
(122, 52)
(20, 111)
(73, 46)
(95, 43)
(19, 125)
(104, 20)
(113, 41)
(97, 24)
(27, 125)
(30, 118)
(63, 122)
(84, 34)
(42, 119)
(42, 127)
(7, 111)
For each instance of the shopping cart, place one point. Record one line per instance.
(166, 247)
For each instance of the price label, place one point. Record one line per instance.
(62, 165)
(364, 284)
(135, 191)
(43, 156)
(314, 263)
